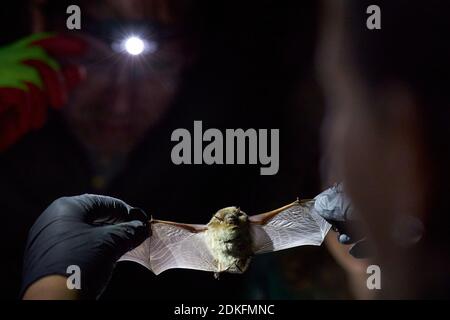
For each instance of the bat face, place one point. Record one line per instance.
(229, 217)
(228, 238)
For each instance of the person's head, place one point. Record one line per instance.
(123, 96)
(387, 128)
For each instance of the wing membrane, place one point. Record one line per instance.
(172, 246)
(296, 225)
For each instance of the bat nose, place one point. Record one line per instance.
(233, 219)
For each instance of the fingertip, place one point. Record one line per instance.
(138, 214)
(136, 224)
(138, 231)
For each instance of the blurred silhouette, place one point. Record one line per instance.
(386, 132)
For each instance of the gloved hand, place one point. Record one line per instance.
(89, 231)
(31, 81)
(336, 208)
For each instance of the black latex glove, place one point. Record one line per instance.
(89, 231)
(336, 208)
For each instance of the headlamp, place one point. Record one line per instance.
(131, 38)
(134, 45)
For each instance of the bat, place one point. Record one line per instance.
(230, 239)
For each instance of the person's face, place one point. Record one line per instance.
(123, 95)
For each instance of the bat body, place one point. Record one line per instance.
(230, 239)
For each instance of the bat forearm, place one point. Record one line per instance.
(189, 227)
(263, 218)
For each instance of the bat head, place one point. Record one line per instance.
(230, 216)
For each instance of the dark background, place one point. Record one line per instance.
(255, 69)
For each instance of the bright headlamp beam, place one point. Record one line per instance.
(134, 45)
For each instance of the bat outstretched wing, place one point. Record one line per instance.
(296, 224)
(173, 245)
